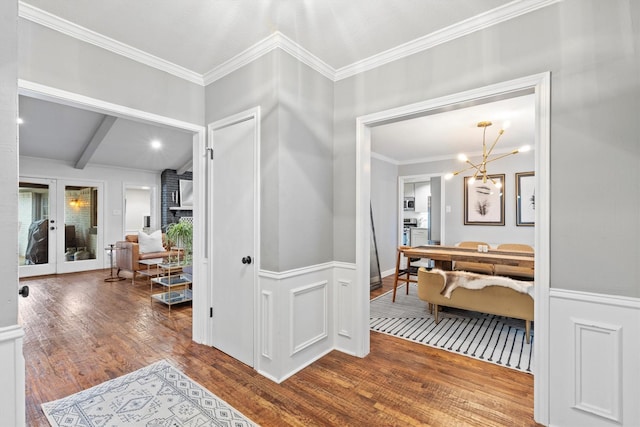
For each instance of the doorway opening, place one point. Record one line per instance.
(539, 85)
(197, 144)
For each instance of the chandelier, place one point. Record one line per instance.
(481, 168)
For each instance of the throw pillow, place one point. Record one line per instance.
(150, 242)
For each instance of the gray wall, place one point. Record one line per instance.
(593, 53)
(296, 155)
(53, 59)
(228, 96)
(8, 161)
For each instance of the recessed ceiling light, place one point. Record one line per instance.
(156, 144)
(20, 121)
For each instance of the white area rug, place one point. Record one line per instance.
(155, 396)
(495, 339)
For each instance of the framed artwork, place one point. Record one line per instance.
(484, 201)
(525, 198)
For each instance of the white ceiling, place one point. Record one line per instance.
(60, 132)
(444, 135)
(201, 36)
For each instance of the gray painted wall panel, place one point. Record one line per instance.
(593, 53)
(306, 169)
(296, 155)
(256, 84)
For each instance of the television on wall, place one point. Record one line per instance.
(186, 194)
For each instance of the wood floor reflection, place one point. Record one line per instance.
(81, 331)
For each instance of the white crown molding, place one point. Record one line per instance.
(245, 57)
(63, 26)
(306, 57)
(384, 158)
(479, 22)
(278, 40)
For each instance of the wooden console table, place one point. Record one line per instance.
(444, 256)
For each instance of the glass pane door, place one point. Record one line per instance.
(81, 248)
(37, 227)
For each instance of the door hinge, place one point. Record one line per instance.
(210, 311)
(209, 151)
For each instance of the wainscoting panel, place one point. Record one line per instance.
(343, 308)
(598, 368)
(266, 324)
(309, 315)
(297, 319)
(12, 389)
(594, 346)
(346, 309)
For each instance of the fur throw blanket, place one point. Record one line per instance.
(464, 279)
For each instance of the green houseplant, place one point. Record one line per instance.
(180, 234)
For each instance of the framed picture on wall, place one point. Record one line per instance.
(525, 198)
(484, 201)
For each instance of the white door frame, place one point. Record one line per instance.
(200, 304)
(541, 85)
(250, 114)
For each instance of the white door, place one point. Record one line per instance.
(80, 245)
(233, 228)
(38, 227)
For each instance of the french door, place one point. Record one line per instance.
(60, 226)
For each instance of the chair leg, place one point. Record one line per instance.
(408, 277)
(395, 281)
(435, 313)
(527, 328)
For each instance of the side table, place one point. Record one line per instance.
(112, 251)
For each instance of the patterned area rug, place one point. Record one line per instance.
(155, 396)
(495, 339)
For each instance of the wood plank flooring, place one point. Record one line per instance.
(81, 331)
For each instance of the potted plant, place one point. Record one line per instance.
(180, 235)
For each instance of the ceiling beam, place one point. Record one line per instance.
(95, 142)
(185, 168)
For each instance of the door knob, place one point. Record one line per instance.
(246, 260)
(24, 291)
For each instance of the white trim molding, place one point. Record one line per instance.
(277, 40)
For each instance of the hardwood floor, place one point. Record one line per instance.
(81, 331)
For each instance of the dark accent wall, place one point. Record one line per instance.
(170, 185)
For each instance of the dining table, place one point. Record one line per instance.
(444, 257)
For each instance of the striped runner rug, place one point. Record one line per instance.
(495, 339)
